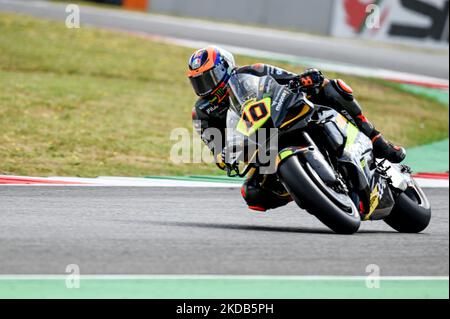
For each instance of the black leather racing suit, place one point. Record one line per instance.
(263, 192)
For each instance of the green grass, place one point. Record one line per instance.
(89, 102)
(221, 287)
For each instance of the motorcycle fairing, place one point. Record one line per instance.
(353, 150)
(381, 199)
(358, 153)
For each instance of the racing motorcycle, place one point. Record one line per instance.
(321, 159)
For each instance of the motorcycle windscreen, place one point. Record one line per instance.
(243, 88)
(235, 141)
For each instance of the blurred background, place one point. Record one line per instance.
(104, 98)
(413, 21)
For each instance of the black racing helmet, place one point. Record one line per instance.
(210, 69)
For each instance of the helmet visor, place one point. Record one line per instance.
(206, 82)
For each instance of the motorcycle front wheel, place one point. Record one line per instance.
(309, 193)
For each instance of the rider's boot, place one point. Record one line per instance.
(386, 150)
(381, 147)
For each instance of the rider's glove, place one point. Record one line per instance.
(225, 164)
(311, 81)
(220, 161)
(295, 85)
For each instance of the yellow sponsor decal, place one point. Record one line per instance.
(374, 202)
(283, 154)
(255, 114)
(303, 112)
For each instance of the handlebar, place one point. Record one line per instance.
(234, 171)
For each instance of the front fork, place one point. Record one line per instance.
(312, 155)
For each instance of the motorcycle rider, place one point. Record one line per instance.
(209, 72)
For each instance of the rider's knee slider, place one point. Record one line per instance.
(251, 195)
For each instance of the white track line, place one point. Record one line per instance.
(114, 182)
(107, 181)
(432, 183)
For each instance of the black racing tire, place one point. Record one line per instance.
(411, 213)
(309, 196)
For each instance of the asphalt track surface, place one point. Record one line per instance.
(366, 54)
(199, 231)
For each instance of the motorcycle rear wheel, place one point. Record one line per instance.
(411, 213)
